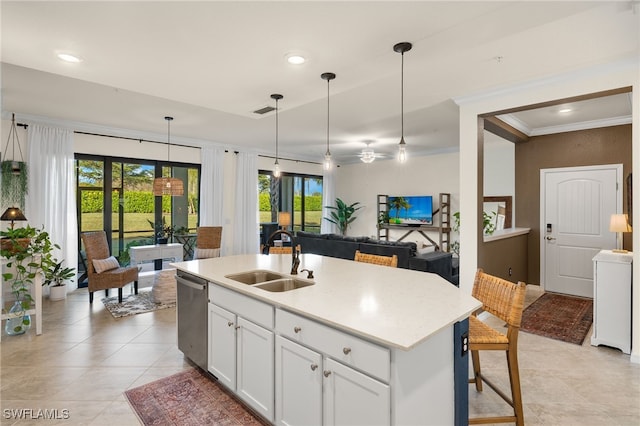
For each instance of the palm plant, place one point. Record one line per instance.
(342, 214)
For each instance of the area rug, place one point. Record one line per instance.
(188, 398)
(559, 317)
(133, 304)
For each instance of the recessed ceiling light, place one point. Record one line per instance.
(565, 110)
(296, 59)
(67, 57)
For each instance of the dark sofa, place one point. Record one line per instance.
(345, 247)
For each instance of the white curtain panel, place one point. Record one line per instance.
(245, 228)
(211, 186)
(51, 200)
(328, 199)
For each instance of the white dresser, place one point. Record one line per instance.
(612, 300)
(141, 254)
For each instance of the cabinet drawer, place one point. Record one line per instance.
(344, 347)
(242, 305)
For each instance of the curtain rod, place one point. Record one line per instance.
(174, 144)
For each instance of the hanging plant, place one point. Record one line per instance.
(14, 188)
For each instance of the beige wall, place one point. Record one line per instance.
(609, 145)
(429, 175)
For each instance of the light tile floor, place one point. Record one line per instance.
(86, 359)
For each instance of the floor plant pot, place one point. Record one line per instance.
(58, 292)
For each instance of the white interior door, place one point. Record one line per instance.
(575, 207)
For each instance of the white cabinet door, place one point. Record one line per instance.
(352, 398)
(222, 345)
(255, 367)
(298, 384)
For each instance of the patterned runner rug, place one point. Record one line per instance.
(560, 317)
(133, 304)
(188, 398)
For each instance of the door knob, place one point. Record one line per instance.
(550, 238)
(326, 373)
(314, 367)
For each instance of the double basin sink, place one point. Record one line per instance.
(269, 281)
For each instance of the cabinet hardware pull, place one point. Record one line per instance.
(237, 327)
(326, 373)
(230, 323)
(346, 351)
(297, 329)
(314, 367)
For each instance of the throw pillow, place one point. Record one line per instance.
(101, 265)
(206, 253)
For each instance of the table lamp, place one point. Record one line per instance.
(13, 214)
(284, 220)
(619, 223)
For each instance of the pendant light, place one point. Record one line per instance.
(327, 156)
(402, 146)
(276, 169)
(168, 185)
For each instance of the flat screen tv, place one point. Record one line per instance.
(411, 210)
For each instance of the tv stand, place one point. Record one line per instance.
(443, 213)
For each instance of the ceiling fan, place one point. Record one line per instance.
(368, 155)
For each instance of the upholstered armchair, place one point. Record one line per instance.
(103, 270)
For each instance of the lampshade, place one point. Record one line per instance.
(619, 223)
(168, 185)
(13, 214)
(284, 219)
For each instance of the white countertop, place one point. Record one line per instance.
(392, 306)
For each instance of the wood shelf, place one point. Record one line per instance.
(443, 213)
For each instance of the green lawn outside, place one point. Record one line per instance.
(139, 221)
(133, 222)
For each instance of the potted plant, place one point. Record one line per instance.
(56, 277)
(24, 263)
(163, 232)
(488, 228)
(342, 214)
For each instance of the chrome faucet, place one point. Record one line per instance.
(295, 252)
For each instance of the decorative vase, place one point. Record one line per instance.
(19, 321)
(58, 292)
(163, 240)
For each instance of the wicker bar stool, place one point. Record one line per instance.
(376, 259)
(208, 240)
(505, 300)
(282, 250)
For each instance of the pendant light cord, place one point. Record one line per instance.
(402, 97)
(328, 83)
(276, 130)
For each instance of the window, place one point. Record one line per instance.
(300, 194)
(116, 195)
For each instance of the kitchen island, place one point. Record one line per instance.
(359, 343)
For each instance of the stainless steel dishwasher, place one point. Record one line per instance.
(192, 317)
